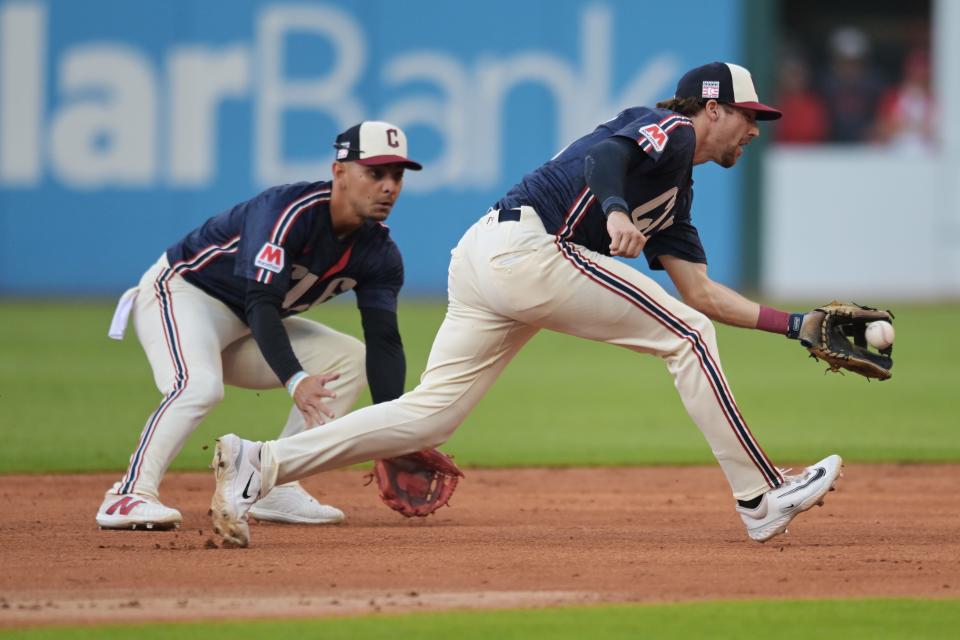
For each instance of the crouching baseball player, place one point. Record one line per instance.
(541, 259)
(219, 307)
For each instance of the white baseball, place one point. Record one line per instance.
(880, 334)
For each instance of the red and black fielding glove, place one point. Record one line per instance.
(417, 484)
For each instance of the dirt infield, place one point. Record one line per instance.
(513, 538)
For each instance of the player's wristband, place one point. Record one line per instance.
(614, 203)
(794, 324)
(295, 380)
(773, 320)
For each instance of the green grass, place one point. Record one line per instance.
(784, 620)
(73, 400)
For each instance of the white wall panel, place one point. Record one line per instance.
(858, 223)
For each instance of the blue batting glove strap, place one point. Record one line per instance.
(294, 381)
(794, 324)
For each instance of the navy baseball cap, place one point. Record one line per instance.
(727, 83)
(373, 142)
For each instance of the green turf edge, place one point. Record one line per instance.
(72, 400)
(780, 619)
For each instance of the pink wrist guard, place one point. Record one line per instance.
(773, 320)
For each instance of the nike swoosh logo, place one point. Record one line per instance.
(819, 473)
(247, 488)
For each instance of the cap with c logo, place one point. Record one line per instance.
(374, 142)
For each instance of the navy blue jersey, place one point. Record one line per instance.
(659, 190)
(284, 239)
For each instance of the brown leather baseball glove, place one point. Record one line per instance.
(417, 484)
(827, 333)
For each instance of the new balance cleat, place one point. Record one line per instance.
(135, 511)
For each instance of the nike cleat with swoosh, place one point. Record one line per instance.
(292, 504)
(238, 487)
(797, 494)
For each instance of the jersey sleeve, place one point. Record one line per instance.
(382, 290)
(680, 240)
(274, 230)
(654, 138)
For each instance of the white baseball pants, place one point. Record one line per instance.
(507, 280)
(195, 345)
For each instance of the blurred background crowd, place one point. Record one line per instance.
(846, 75)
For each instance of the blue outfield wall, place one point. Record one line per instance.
(125, 124)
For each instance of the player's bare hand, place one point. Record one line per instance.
(625, 239)
(309, 398)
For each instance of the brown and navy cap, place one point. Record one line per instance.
(374, 142)
(727, 83)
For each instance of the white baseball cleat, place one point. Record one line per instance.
(292, 504)
(135, 511)
(238, 487)
(797, 494)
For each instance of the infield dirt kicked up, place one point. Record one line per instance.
(514, 538)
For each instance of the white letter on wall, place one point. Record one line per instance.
(451, 118)
(200, 79)
(23, 47)
(495, 80)
(329, 94)
(108, 134)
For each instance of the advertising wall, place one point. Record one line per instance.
(125, 124)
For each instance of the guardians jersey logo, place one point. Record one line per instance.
(270, 258)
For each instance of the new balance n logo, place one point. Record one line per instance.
(124, 505)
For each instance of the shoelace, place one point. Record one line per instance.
(792, 479)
